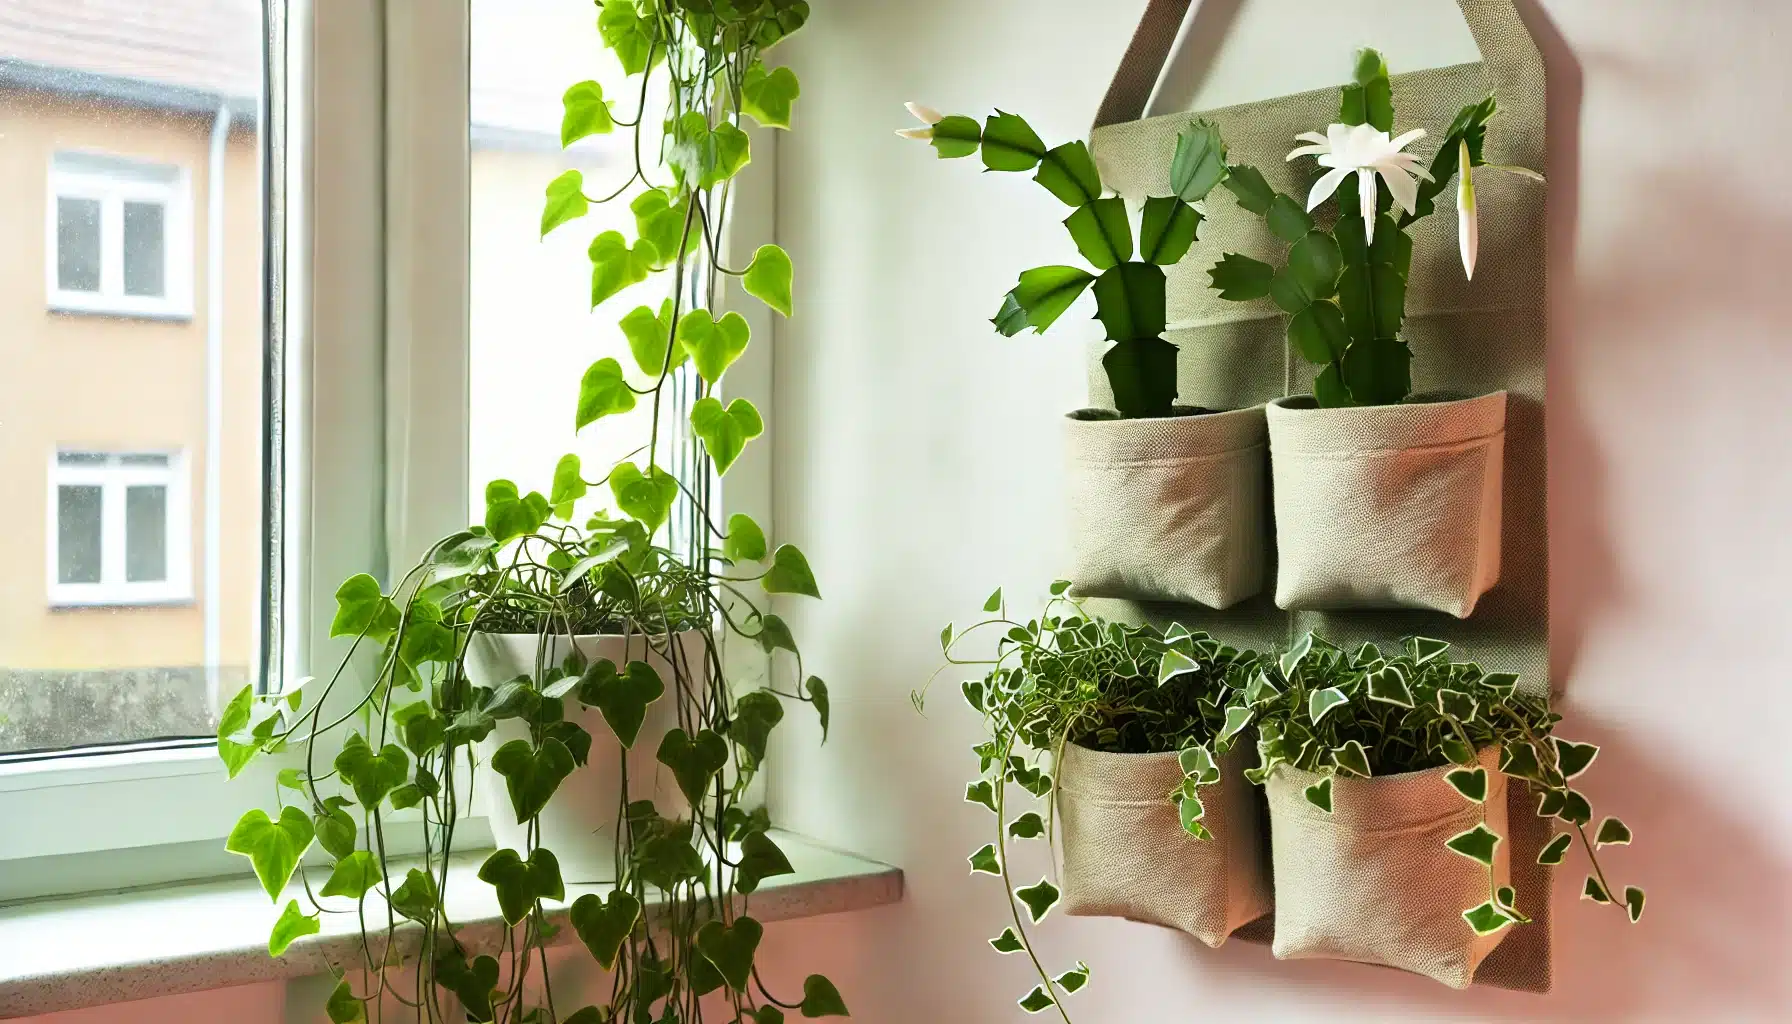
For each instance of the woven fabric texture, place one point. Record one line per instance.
(1469, 338)
(1169, 509)
(1393, 506)
(1373, 881)
(1126, 854)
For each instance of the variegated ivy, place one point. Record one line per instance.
(1066, 677)
(1368, 713)
(409, 741)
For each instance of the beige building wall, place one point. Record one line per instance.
(121, 384)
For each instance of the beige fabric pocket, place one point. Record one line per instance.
(1373, 881)
(1126, 854)
(1393, 506)
(1168, 509)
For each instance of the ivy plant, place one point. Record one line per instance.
(1125, 268)
(1344, 287)
(1367, 713)
(1067, 677)
(362, 757)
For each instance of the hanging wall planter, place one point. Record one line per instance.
(1387, 506)
(1126, 853)
(1170, 508)
(579, 822)
(1373, 881)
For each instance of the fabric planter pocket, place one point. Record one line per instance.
(1126, 854)
(1387, 506)
(1170, 508)
(1373, 881)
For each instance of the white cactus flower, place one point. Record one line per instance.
(1367, 151)
(1468, 225)
(928, 118)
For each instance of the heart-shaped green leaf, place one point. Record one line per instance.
(372, 775)
(1575, 808)
(980, 793)
(714, 345)
(633, 36)
(1519, 760)
(585, 113)
(760, 859)
(730, 949)
(1039, 898)
(569, 485)
(1476, 844)
(334, 828)
(756, 714)
(623, 696)
(649, 335)
(644, 497)
(1352, 759)
(362, 610)
(603, 925)
(615, 266)
(1470, 782)
(774, 634)
(984, 861)
(766, 95)
(532, 775)
(344, 1008)
(509, 515)
(416, 898)
(745, 541)
(768, 278)
(1388, 685)
(790, 573)
(603, 392)
(694, 762)
(725, 431)
(473, 983)
(520, 883)
(821, 998)
(1556, 849)
(292, 924)
(354, 875)
(273, 847)
(565, 201)
(246, 718)
(818, 696)
(1027, 826)
(1319, 794)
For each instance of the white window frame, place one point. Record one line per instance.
(114, 180)
(113, 478)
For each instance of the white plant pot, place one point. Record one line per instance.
(1168, 508)
(1387, 506)
(579, 822)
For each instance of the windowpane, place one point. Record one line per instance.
(112, 433)
(78, 534)
(145, 534)
(143, 249)
(77, 244)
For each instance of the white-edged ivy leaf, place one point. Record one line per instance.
(585, 112)
(1457, 752)
(1060, 587)
(1470, 782)
(1519, 760)
(1321, 702)
(1425, 649)
(768, 278)
(1072, 980)
(1633, 903)
(1007, 942)
(1506, 898)
(1259, 689)
(1556, 849)
(1036, 1001)
(1189, 811)
(273, 847)
(1457, 705)
(1197, 763)
(1039, 898)
(790, 574)
(1574, 758)
(1502, 683)
(980, 793)
(293, 923)
(1352, 758)
(1294, 655)
(1174, 663)
(565, 200)
(1486, 918)
(1575, 808)
(1612, 832)
(1319, 794)
(1027, 826)
(1551, 803)
(1236, 720)
(1388, 685)
(1594, 891)
(984, 861)
(1476, 844)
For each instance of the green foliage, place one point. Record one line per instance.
(1167, 228)
(409, 713)
(1010, 144)
(1101, 232)
(1069, 173)
(1199, 163)
(1041, 296)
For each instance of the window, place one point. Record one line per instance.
(120, 533)
(120, 236)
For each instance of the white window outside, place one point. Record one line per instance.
(119, 237)
(119, 529)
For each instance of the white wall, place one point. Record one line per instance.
(918, 465)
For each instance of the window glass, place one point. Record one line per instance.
(143, 249)
(115, 447)
(78, 534)
(78, 244)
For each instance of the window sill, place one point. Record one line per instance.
(93, 950)
(119, 310)
(63, 602)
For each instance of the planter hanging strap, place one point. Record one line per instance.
(1139, 69)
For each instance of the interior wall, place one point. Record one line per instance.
(918, 464)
